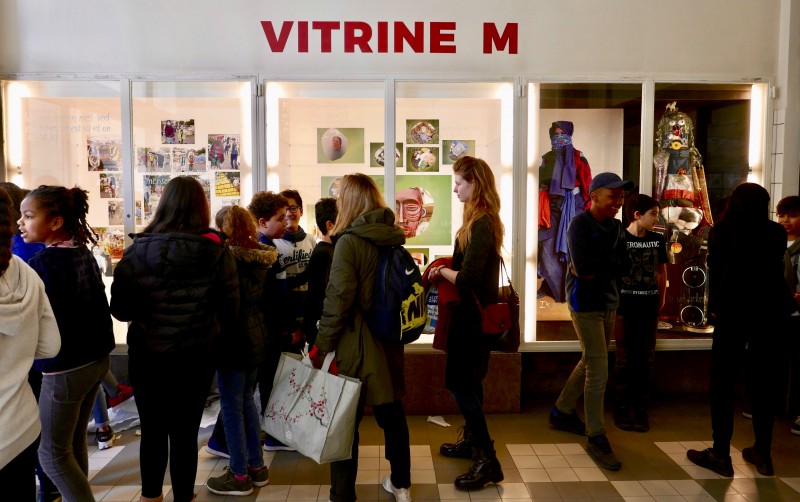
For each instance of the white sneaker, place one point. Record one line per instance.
(796, 427)
(400, 494)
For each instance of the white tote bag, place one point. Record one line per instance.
(311, 410)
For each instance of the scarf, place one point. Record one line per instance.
(295, 237)
(564, 171)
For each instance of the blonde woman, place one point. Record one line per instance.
(476, 268)
(364, 224)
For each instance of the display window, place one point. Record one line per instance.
(319, 131)
(69, 133)
(574, 132)
(198, 129)
(435, 125)
(685, 144)
(708, 139)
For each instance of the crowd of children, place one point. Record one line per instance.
(230, 300)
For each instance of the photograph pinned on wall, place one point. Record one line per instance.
(422, 132)
(154, 160)
(114, 244)
(377, 155)
(110, 185)
(223, 151)
(343, 145)
(205, 181)
(227, 184)
(217, 204)
(188, 160)
(177, 132)
(152, 188)
(115, 212)
(422, 159)
(454, 149)
(331, 184)
(104, 154)
(420, 256)
(423, 208)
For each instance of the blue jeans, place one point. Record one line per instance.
(64, 408)
(240, 417)
(591, 373)
(100, 410)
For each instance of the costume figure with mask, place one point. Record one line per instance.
(564, 179)
(683, 197)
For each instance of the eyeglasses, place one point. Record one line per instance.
(293, 209)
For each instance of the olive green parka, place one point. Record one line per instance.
(349, 294)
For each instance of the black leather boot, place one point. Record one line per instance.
(486, 469)
(461, 448)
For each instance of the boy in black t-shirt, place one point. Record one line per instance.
(319, 267)
(642, 295)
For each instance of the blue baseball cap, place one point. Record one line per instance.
(610, 180)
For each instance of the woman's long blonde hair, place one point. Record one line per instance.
(484, 200)
(358, 194)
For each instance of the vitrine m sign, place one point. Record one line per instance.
(432, 37)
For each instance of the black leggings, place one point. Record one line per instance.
(170, 395)
(392, 419)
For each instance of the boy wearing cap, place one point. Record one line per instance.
(598, 257)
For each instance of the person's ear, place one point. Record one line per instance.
(56, 223)
(328, 226)
(262, 222)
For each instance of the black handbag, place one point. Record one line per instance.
(500, 321)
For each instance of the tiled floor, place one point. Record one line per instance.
(539, 464)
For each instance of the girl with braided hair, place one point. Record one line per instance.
(56, 217)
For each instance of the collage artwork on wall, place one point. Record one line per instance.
(423, 202)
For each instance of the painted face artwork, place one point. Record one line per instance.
(409, 209)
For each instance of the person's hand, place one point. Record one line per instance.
(316, 356)
(436, 272)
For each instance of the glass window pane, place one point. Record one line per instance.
(199, 129)
(69, 133)
(319, 131)
(437, 123)
(601, 124)
(708, 139)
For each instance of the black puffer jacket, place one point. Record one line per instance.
(178, 290)
(246, 342)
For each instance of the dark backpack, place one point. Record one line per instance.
(398, 312)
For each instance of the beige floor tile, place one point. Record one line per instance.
(450, 492)
(534, 475)
(527, 462)
(123, 494)
(560, 474)
(303, 493)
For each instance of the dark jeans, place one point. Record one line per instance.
(45, 485)
(17, 477)
(64, 409)
(766, 361)
(635, 352)
(170, 394)
(392, 419)
(240, 417)
(471, 406)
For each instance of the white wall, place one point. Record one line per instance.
(570, 37)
